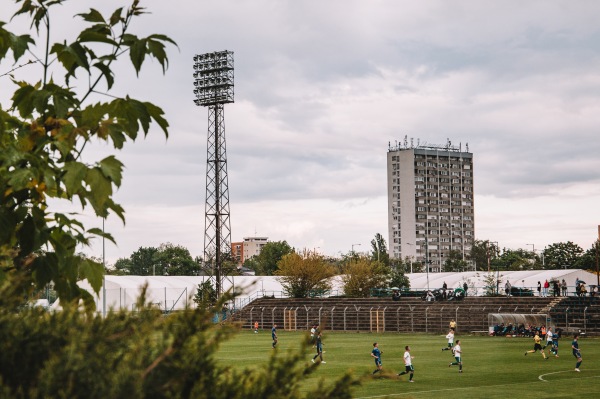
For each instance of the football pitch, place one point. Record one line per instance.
(493, 367)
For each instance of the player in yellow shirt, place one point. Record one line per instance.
(537, 346)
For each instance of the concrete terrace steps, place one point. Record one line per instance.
(383, 314)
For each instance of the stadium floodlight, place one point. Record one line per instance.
(213, 78)
(213, 87)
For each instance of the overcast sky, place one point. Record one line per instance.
(322, 87)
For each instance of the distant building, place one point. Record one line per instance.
(430, 202)
(244, 250)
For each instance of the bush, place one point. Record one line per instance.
(73, 354)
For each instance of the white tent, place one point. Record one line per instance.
(175, 292)
(521, 279)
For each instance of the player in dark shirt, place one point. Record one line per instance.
(274, 335)
(319, 345)
(576, 352)
(376, 353)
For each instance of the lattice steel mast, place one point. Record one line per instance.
(213, 73)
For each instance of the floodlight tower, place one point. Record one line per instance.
(213, 87)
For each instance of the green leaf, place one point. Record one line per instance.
(71, 57)
(107, 73)
(99, 232)
(137, 54)
(75, 173)
(22, 100)
(115, 18)
(95, 36)
(92, 16)
(113, 169)
(93, 272)
(19, 45)
(44, 270)
(100, 189)
(19, 178)
(157, 114)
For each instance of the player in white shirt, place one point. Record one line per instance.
(408, 367)
(450, 338)
(458, 356)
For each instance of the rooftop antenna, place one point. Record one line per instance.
(405, 142)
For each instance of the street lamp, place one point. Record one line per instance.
(411, 256)
(533, 250)
(497, 266)
(353, 248)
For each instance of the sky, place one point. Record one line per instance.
(321, 90)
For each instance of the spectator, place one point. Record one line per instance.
(465, 287)
(563, 285)
(556, 288)
(539, 289)
(507, 288)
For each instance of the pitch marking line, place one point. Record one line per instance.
(464, 388)
(433, 390)
(541, 377)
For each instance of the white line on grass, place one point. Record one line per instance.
(464, 388)
(541, 377)
(433, 390)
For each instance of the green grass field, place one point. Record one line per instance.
(493, 367)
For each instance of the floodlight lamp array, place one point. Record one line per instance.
(213, 74)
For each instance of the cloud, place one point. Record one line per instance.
(321, 88)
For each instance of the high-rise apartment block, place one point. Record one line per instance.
(244, 250)
(430, 202)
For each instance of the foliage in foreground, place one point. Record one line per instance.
(73, 354)
(46, 128)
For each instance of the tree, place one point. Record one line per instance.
(206, 295)
(492, 283)
(45, 130)
(518, 259)
(454, 262)
(399, 279)
(587, 261)
(482, 253)
(561, 254)
(265, 263)
(364, 275)
(304, 275)
(379, 248)
(175, 260)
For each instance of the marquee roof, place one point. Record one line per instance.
(173, 292)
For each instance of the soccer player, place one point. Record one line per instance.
(555, 338)
(313, 331)
(408, 367)
(458, 356)
(453, 325)
(319, 345)
(274, 335)
(376, 353)
(576, 351)
(450, 338)
(256, 327)
(549, 336)
(537, 346)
